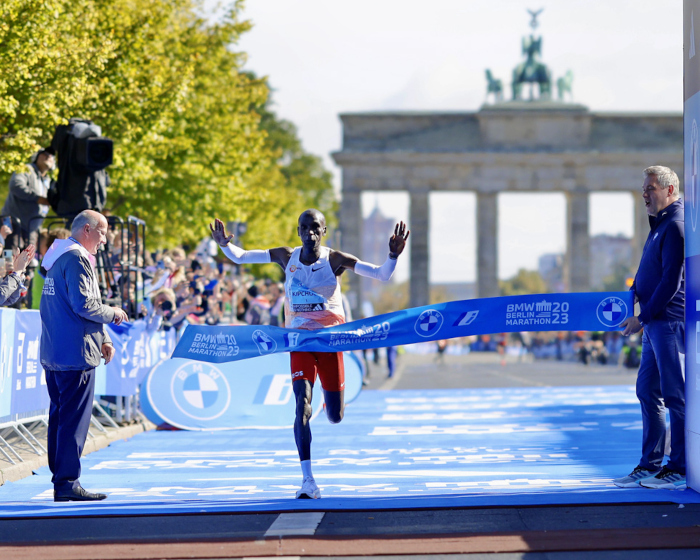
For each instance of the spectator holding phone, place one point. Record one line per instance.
(14, 266)
(5, 230)
(27, 199)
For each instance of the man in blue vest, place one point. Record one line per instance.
(659, 287)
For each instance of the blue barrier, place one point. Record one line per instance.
(7, 339)
(22, 380)
(257, 393)
(29, 395)
(137, 351)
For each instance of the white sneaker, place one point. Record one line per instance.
(309, 489)
(668, 479)
(633, 479)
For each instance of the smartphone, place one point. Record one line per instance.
(7, 221)
(9, 260)
(160, 265)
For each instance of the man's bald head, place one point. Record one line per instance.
(89, 217)
(90, 230)
(314, 215)
(311, 227)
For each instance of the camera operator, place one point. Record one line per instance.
(27, 199)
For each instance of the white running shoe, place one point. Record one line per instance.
(633, 479)
(668, 479)
(309, 489)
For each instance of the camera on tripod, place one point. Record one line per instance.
(83, 156)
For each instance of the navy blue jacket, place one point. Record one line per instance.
(72, 313)
(660, 280)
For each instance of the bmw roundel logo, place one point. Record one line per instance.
(428, 323)
(612, 311)
(200, 391)
(265, 343)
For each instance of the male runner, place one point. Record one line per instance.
(313, 301)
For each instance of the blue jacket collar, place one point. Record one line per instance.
(673, 211)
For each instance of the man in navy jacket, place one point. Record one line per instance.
(73, 341)
(659, 286)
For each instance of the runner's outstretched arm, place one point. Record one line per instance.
(343, 261)
(278, 255)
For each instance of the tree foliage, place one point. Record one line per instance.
(194, 136)
(617, 281)
(524, 282)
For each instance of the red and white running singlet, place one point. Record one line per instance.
(313, 299)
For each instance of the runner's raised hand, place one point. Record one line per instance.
(397, 243)
(218, 232)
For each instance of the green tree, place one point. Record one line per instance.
(193, 135)
(50, 60)
(524, 282)
(617, 281)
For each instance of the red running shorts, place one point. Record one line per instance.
(327, 365)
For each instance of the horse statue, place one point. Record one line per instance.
(494, 86)
(532, 71)
(564, 85)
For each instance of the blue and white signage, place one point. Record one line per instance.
(7, 339)
(258, 393)
(30, 393)
(691, 192)
(597, 311)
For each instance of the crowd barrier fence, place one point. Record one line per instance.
(24, 399)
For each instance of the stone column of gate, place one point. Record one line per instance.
(641, 228)
(351, 242)
(578, 243)
(487, 245)
(419, 224)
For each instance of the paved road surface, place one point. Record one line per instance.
(642, 531)
(484, 369)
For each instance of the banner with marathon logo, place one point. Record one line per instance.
(596, 311)
(258, 394)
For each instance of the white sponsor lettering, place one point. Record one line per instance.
(540, 313)
(280, 390)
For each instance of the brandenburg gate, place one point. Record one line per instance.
(536, 145)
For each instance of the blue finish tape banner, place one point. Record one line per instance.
(257, 393)
(597, 311)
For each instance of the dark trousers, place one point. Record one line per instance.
(71, 393)
(661, 386)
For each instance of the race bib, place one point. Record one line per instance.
(304, 300)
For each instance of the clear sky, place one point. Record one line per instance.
(325, 57)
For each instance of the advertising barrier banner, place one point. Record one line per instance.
(29, 381)
(256, 393)
(137, 351)
(22, 380)
(597, 311)
(7, 339)
(691, 192)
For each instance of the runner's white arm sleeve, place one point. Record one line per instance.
(240, 256)
(382, 273)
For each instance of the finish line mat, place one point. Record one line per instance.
(394, 449)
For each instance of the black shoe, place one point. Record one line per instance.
(78, 494)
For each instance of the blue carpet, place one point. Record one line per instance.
(398, 449)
